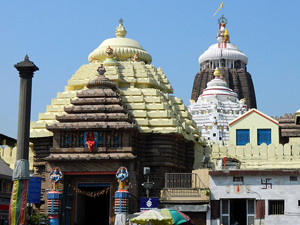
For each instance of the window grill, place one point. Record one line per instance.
(183, 181)
(276, 207)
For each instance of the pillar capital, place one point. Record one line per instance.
(26, 68)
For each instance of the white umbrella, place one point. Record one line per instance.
(154, 217)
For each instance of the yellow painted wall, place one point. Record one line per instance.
(294, 140)
(254, 120)
(9, 155)
(273, 156)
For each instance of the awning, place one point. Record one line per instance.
(188, 208)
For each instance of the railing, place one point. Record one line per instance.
(183, 181)
(183, 187)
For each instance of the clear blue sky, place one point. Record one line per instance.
(59, 35)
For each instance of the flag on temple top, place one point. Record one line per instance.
(218, 9)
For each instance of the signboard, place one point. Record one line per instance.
(148, 203)
(34, 190)
(4, 204)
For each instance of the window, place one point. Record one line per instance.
(263, 136)
(251, 211)
(293, 178)
(276, 207)
(242, 136)
(238, 179)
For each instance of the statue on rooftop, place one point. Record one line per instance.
(109, 52)
(111, 58)
(135, 57)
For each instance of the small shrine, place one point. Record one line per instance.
(117, 111)
(215, 108)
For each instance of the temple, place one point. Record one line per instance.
(232, 64)
(117, 111)
(215, 108)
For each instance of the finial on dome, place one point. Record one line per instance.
(222, 20)
(101, 70)
(217, 73)
(120, 30)
(223, 35)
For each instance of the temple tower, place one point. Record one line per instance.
(232, 64)
(117, 111)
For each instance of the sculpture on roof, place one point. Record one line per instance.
(122, 175)
(135, 57)
(109, 52)
(55, 177)
(120, 30)
(101, 70)
(111, 58)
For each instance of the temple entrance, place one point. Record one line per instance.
(237, 211)
(92, 210)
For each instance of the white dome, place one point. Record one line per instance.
(217, 88)
(231, 52)
(123, 48)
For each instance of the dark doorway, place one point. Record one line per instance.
(238, 212)
(90, 210)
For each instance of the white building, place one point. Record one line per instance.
(255, 197)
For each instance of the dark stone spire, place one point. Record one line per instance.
(238, 80)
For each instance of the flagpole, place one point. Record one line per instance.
(221, 6)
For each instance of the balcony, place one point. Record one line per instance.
(185, 188)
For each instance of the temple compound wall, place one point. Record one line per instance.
(9, 155)
(258, 156)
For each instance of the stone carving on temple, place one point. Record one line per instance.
(90, 139)
(111, 58)
(135, 57)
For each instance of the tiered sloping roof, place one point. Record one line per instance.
(98, 107)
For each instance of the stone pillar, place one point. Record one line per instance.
(26, 69)
(17, 210)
